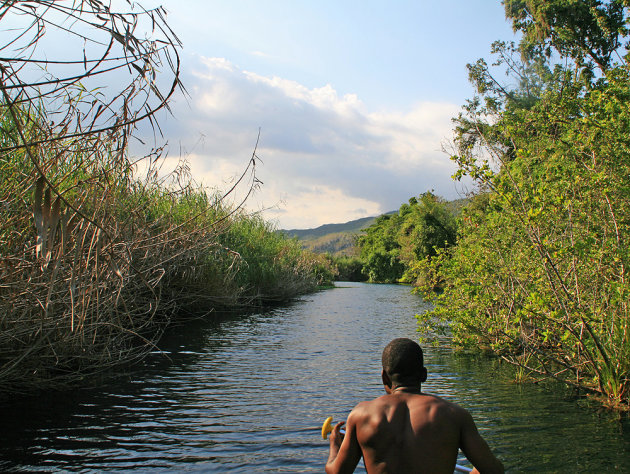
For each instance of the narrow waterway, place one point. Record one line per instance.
(249, 394)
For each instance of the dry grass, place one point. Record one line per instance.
(94, 262)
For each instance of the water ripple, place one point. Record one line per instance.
(249, 394)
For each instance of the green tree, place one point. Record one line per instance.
(395, 243)
(588, 31)
(539, 274)
(427, 226)
(349, 269)
(379, 250)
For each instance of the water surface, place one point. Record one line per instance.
(248, 393)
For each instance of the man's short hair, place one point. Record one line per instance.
(403, 361)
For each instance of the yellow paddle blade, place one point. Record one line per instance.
(327, 427)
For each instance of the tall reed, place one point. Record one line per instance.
(94, 261)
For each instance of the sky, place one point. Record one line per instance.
(353, 99)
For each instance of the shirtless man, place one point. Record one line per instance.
(407, 431)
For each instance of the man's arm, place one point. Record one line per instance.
(476, 449)
(345, 451)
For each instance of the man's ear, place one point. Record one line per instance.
(423, 375)
(386, 380)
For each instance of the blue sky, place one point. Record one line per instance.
(390, 54)
(353, 99)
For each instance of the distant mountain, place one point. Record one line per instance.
(336, 239)
(355, 226)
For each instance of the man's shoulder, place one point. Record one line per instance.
(439, 400)
(442, 403)
(368, 408)
(422, 401)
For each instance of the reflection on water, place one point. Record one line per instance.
(249, 394)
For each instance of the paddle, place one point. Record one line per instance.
(327, 428)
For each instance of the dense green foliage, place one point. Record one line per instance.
(540, 271)
(348, 269)
(272, 267)
(394, 248)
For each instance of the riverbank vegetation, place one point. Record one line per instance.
(391, 248)
(397, 246)
(539, 274)
(96, 258)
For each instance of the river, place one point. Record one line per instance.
(248, 393)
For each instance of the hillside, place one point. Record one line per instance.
(336, 239)
(352, 227)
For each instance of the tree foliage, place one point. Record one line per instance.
(540, 271)
(589, 32)
(393, 245)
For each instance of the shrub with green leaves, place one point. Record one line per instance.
(540, 271)
(397, 246)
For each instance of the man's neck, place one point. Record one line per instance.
(417, 389)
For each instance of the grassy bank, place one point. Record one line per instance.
(96, 258)
(95, 264)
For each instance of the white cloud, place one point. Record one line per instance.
(320, 205)
(325, 158)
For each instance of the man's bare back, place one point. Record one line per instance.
(407, 431)
(401, 430)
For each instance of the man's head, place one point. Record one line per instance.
(403, 363)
